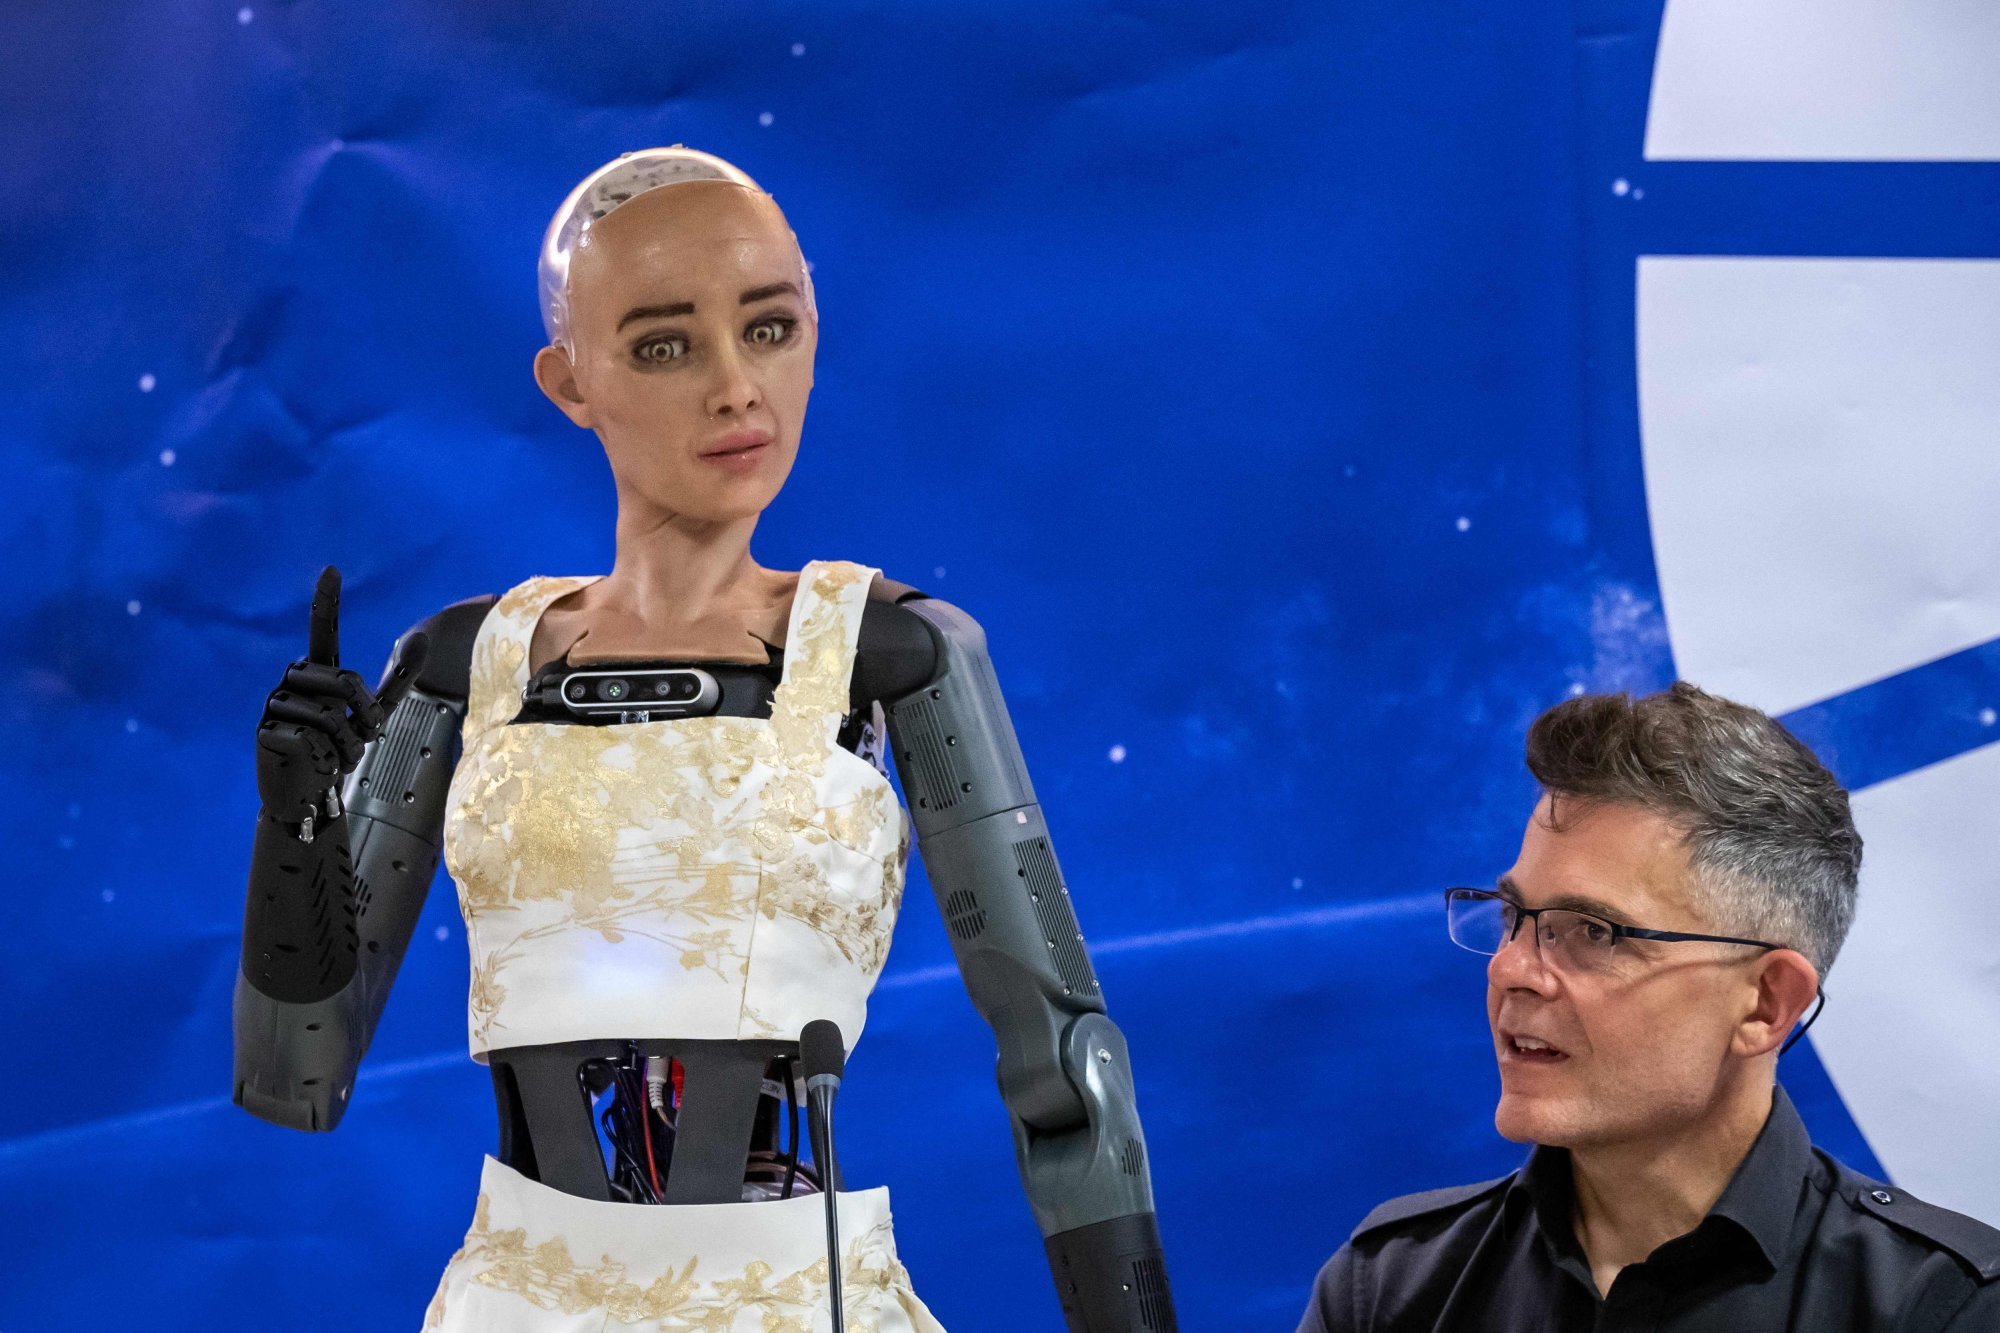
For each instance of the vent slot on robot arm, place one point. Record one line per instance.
(954, 744)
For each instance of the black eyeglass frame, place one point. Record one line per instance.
(1618, 932)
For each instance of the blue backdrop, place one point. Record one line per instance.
(1260, 376)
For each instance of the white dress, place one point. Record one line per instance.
(693, 878)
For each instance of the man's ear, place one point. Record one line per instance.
(558, 380)
(1786, 987)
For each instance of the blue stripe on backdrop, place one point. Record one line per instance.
(1930, 209)
(1234, 366)
(1908, 721)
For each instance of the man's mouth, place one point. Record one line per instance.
(1533, 1050)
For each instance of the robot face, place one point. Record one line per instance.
(691, 348)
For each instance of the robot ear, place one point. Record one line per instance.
(557, 378)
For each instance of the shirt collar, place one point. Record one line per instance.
(1761, 1199)
(1544, 1184)
(1763, 1196)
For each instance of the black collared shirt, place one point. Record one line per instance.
(1796, 1242)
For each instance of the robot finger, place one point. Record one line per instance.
(295, 766)
(323, 643)
(350, 743)
(403, 670)
(367, 710)
(307, 678)
(336, 693)
(289, 743)
(326, 717)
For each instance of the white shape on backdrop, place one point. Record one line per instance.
(1911, 1032)
(1827, 80)
(1822, 457)
(1819, 449)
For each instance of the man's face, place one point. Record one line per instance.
(1641, 1046)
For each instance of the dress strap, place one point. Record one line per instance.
(500, 652)
(820, 643)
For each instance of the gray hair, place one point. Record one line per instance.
(1767, 828)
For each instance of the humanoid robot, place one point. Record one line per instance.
(675, 842)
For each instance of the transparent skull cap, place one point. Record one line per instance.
(602, 193)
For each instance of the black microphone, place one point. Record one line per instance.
(824, 1056)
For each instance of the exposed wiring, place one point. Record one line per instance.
(792, 1152)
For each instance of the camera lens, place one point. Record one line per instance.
(685, 687)
(613, 690)
(663, 689)
(577, 689)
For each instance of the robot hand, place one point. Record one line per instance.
(336, 883)
(320, 717)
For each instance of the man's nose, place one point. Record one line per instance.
(1519, 964)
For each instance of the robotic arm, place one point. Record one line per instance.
(1063, 1068)
(337, 877)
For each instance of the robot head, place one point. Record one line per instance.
(608, 188)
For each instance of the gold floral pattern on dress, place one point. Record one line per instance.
(500, 659)
(680, 1299)
(672, 838)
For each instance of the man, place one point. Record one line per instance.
(1683, 885)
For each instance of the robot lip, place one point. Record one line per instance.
(738, 441)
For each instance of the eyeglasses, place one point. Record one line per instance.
(1483, 921)
(1575, 943)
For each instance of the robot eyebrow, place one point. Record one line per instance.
(687, 307)
(768, 290)
(657, 312)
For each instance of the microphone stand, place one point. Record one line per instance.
(825, 1056)
(819, 1103)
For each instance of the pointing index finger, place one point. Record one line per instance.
(323, 646)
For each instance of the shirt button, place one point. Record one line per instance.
(1882, 1196)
